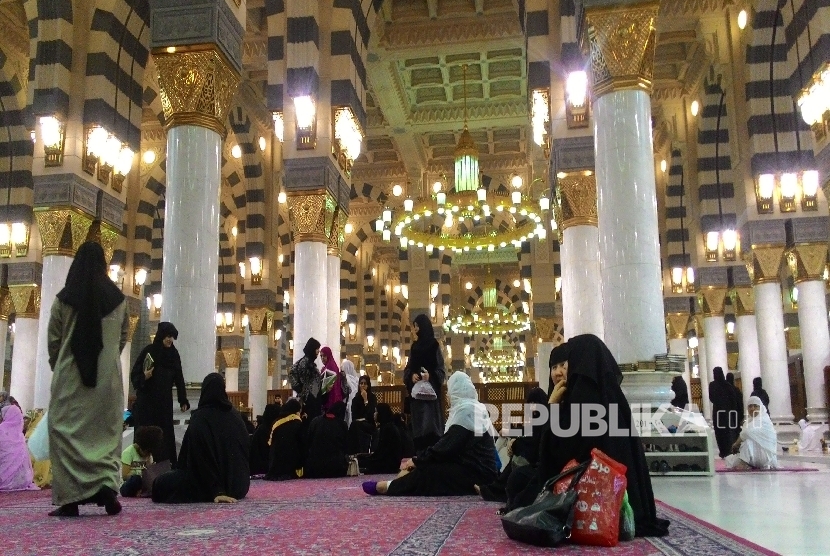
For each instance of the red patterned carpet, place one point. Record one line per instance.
(311, 517)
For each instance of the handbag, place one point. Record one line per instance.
(548, 520)
(150, 473)
(423, 390)
(354, 469)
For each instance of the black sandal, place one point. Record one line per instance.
(67, 510)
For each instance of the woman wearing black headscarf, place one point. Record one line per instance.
(306, 380)
(213, 464)
(287, 444)
(260, 446)
(681, 392)
(327, 444)
(593, 377)
(387, 457)
(724, 412)
(154, 389)
(88, 328)
(426, 362)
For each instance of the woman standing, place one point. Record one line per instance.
(306, 380)
(154, 389)
(340, 389)
(426, 362)
(88, 329)
(724, 412)
(352, 379)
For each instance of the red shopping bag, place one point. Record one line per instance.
(600, 493)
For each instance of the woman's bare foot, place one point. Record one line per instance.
(383, 486)
(477, 489)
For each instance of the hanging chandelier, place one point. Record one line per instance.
(491, 319)
(498, 357)
(468, 215)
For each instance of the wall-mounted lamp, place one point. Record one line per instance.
(557, 287)
(352, 331)
(370, 343)
(14, 239)
(305, 112)
(224, 321)
(682, 279)
(154, 305)
(52, 132)
(540, 118)
(790, 185)
(116, 275)
(256, 271)
(348, 137)
(694, 108)
(139, 278)
(730, 330)
(384, 351)
(712, 245)
(742, 19)
(576, 99)
(279, 126)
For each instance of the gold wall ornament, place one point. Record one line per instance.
(233, 356)
(26, 301)
(132, 327)
(765, 263)
(52, 224)
(677, 324)
(577, 196)
(335, 234)
(259, 319)
(743, 299)
(712, 300)
(6, 304)
(699, 329)
(622, 41)
(807, 261)
(308, 216)
(196, 87)
(104, 235)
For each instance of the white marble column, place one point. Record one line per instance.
(258, 373)
(333, 303)
(310, 295)
(24, 358)
(715, 331)
(55, 269)
(191, 244)
(629, 253)
(749, 359)
(772, 348)
(126, 367)
(232, 379)
(815, 344)
(543, 350)
(581, 291)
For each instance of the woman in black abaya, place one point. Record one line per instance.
(593, 377)
(154, 389)
(426, 362)
(213, 464)
(724, 412)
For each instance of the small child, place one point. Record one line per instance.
(137, 457)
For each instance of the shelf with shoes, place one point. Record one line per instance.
(685, 454)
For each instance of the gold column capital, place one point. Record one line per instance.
(712, 300)
(764, 263)
(807, 261)
(62, 230)
(132, 327)
(233, 356)
(6, 305)
(677, 324)
(622, 41)
(336, 235)
(196, 85)
(743, 299)
(26, 301)
(307, 211)
(104, 235)
(260, 320)
(576, 195)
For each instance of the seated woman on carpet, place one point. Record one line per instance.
(261, 439)
(326, 440)
(363, 418)
(213, 462)
(462, 458)
(287, 448)
(594, 377)
(15, 465)
(387, 456)
(758, 443)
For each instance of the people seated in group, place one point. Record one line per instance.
(809, 440)
(326, 439)
(213, 461)
(757, 445)
(363, 422)
(522, 451)
(15, 464)
(286, 445)
(593, 377)
(463, 457)
(137, 457)
(261, 439)
(386, 458)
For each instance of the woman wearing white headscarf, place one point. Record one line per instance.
(352, 378)
(463, 457)
(756, 447)
(810, 438)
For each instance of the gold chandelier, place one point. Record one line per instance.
(491, 319)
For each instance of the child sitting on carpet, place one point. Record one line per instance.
(137, 457)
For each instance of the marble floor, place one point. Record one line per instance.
(788, 513)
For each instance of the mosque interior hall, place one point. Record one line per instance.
(261, 172)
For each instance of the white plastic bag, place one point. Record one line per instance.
(39, 440)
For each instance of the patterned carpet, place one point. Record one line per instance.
(314, 517)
